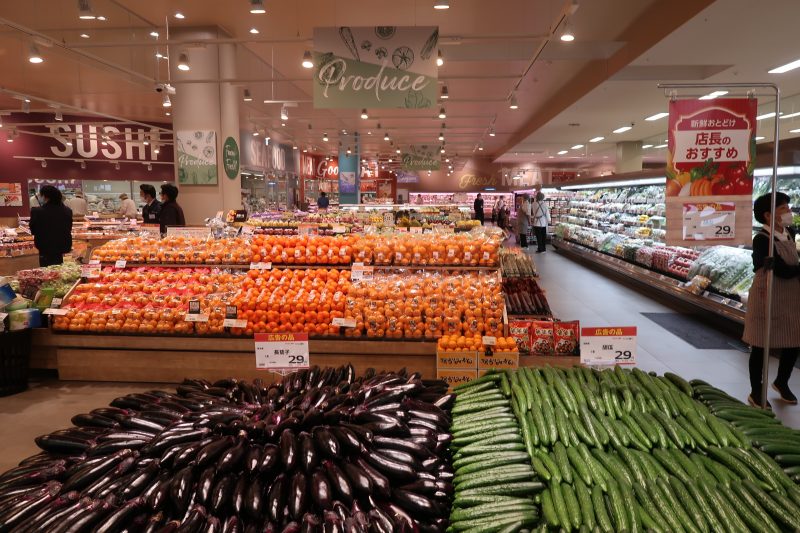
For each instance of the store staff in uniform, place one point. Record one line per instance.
(322, 201)
(171, 212)
(77, 204)
(152, 207)
(51, 226)
(478, 207)
(785, 326)
(127, 207)
(540, 218)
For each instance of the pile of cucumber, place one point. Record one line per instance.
(622, 450)
(495, 484)
(760, 426)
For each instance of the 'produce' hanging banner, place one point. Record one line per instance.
(375, 67)
(710, 162)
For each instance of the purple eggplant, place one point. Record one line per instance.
(204, 484)
(84, 477)
(326, 442)
(239, 492)
(395, 470)
(211, 451)
(117, 519)
(232, 457)
(276, 499)
(221, 494)
(180, 488)
(252, 458)
(309, 458)
(232, 525)
(380, 522)
(321, 490)
(62, 445)
(380, 483)
(339, 482)
(288, 446)
(359, 480)
(270, 458)
(298, 496)
(194, 520)
(254, 499)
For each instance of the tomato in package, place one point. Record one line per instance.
(566, 337)
(542, 337)
(520, 330)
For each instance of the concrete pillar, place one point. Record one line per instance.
(629, 156)
(206, 106)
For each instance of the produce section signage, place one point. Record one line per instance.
(608, 346)
(281, 351)
(710, 166)
(197, 157)
(421, 157)
(375, 67)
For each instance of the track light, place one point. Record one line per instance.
(566, 35)
(512, 103)
(492, 132)
(179, 15)
(364, 114)
(149, 166)
(308, 61)
(34, 56)
(386, 137)
(445, 93)
(83, 165)
(257, 7)
(255, 132)
(247, 96)
(44, 163)
(442, 113)
(325, 137)
(441, 136)
(59, 117)
(398, 150)
(439, 59)
(165, 101)
(116, 166)
(441, 4)
(183, 62)
(85, 10)
(284, 112)
(26, 106)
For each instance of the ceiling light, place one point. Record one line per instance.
(159, 56)
(247, 96)
(790, 115)
(712, 95)
(149, 166)
(439, 59)
(512, 103)
(491, 132)
(165, 101)
(390, 160)
(445, 94)
(447, 160)
(146, 142)
(760, 138)
(101, 18)
(255, 132)
(59, 116)
(661, 146)
(647, 146)
(596, 139)
(83, 165)
(154, 34)
(325, 137)
(34, 56)
(364, 114)
(284, 112)
(349, 151)
(12, 133)
(442, 113)
(257, 7)
(796, 130)
(480, 147)
(26, 106)
(308, 62)
(785, 68)
(183, 62)
(85, 10)
(765, 116)
(441, 150)
(179, 15)
(577, 147)
(266, 140)
(283, 124)
(398, 150)
(566, 34)
(562, 152)
(116, 166)
(386, 137)
(168, 114)
(441, 4)
(441, 136)
(254, 31)
(657, 116)
(622, 129)
(84, 35)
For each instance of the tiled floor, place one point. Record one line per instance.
(577, 291)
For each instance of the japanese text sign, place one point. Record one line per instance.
(281, 351)
(608, 346)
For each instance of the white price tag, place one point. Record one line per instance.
(281, 351)
(192, 317)
(260, 266)
(94, 262)
(344, 322)
(90, 271)
(116, 311)
(489, 341)
(121, 263)
(56, 302)
(388, 219)
(247, 230)
(415, 229)
(198, 232)
(339, 229)
(234, 323)
(57, 312)
(608, 346)
(361, 272)
(712, 221)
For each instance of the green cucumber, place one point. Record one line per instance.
(562, 460)
(647, 521)
(648, 504)
(748, 515)
(584, 496)
(623, 433)
(461, 502)
(756, 465)
(636, 431)
(550, 422)
(549, 510)
(580, 430)
(490, 524)
(600, 510)
(680, 383)
(586, 418)
(724, 456)
(781, 449)
(573, 508)
(540, 468)
(505, 386)
(600, 428)
(665, 491)
(631, 508)
(505, 477)
(686, 464)
(773, 505)
(580, 467)
(597, 471)
(633, 465)
(689, 429)
(703, 428)
(730, 520)
(619, 515)
(489, 449)
(691, 507)
(613, 466)
(517, 488)
(560, 505)
(489, 509)
(561, 428)
(766, 523)
(701, 500)
(488, 377)
(702, 470)
(551, 465)
(497, 459)
(541, 426)
(566, 396)
(673, 467)
(490, 437)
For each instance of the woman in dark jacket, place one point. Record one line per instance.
(51, 226)
(171, 212)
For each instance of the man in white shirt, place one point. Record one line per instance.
(78, 204)
(127, 207)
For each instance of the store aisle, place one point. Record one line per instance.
(578, 292)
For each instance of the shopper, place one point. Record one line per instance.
(127, 207)
(77, 204)
(51, 225)
(785, 319)
(500, 209)
(540, 218)
(478, 207)
(323, 202)
(523, 220)
(171, 213)
(419, 200)
(151, 211)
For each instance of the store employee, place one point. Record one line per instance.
(151, 212)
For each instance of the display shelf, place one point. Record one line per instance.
(277, 266)
(726, 307)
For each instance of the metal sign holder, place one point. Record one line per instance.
(670, 88)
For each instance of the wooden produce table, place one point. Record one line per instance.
(11, 265)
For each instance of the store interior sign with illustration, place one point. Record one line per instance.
(710, 163)
(421, 157)
(197, 157)
(375, 67)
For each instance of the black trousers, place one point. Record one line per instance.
(479, 216)
(788, 357)
(523, 240)
(47, 260)
(541, 237)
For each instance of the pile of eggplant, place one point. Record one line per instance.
(319, 451)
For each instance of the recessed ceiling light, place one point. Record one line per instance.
(577, 147)
(596, 139)
(644, 146)
(657, 116)
(179, 15)
(562, 152)
(325, 137)
(765, 116)
(712, 95)
(785, 68)
(439, 59)
(386, 137)
(445, 93)
(84, 35)
(441, 4)
(254, 31)
(154, 34)
(257, 7)
(622, 129)
(442, 113)
(308, 62)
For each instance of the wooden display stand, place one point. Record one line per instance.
(9, 266)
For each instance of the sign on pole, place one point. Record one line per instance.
(608, 346)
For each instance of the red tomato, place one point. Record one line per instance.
(723, 187)
(737, 175)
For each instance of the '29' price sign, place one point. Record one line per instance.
(709, 221)
(281, 351)
(608, 346)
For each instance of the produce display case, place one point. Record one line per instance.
(17, 251)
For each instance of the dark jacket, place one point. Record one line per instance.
(51, 226)
(151, 213)
(171, 215)
(478, 205)
(323, 202)
(761, 252)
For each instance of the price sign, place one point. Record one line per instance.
(388, 219)
(307, 229)
(198, 232)
(361, 272)
(344, 322)
(339, 229)
(194, 306)
(57, 312)
(240, 215)
(489, 341)
(247, 230)
(608, 346)
(193, 317)
(709, 221)
(281, 351)
(415, 229)
(90, 271)
(260, 266)
(56, 302)
(121, 263)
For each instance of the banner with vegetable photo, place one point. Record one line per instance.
(710, 161)
(375, 67)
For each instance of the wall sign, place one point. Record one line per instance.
(421, 157)
(375, 67)
(710, 164)
(197, 157)
(230, 155)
